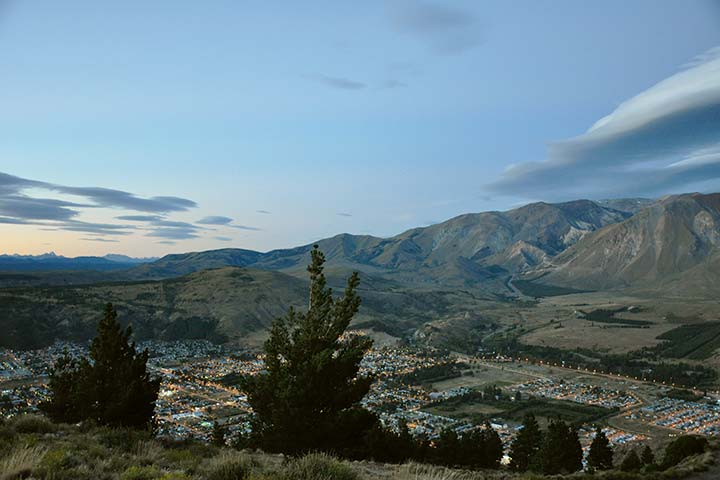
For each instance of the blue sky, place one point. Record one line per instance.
(278, 123)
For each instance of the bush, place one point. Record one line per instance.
(33, 424)
(140, 473)
(229, 466)
(318, 466)
(683, 447)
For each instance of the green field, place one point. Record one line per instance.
(472, 407)
(696, 342)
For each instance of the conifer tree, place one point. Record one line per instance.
(647, 456)
(113, 387)
(561, 451)
(631, 462)
(600, 456)
(492, 447)
(308, 397)
(526, 445)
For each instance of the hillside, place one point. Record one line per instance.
(673, 244)
(228, 304)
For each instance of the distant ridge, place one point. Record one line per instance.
(672, 245)
(48, 262)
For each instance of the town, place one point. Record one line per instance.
(412, 388)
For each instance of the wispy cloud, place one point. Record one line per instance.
(664, 140)
(344, 214)
(337, 82)
(224, 239)
(99, 239)
(264, 212)
(18, 207)
(445, 29)
(215, 220)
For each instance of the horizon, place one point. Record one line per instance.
(145, 130)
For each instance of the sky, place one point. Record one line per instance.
(147, 128)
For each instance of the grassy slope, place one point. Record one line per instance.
(31, 447)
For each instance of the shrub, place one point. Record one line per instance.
(229, 466)
(33, 424)
(21, 462)
(318, 466)
(140, 473)
(683, 447)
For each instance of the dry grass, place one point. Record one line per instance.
(21, 462)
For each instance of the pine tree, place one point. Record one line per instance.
(631, 462)
(561, 451)
(65, 405)
(219, 433)
(647, 456)
(308, 397)
(112, 387)
(600, 456)
(526, 445)
(574, 454)
(492, 447)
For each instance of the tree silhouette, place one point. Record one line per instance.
(113, 387)
(561, 451)
(600, 456)
(308, 397)
(526, 445)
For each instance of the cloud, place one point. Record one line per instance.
(264, 212)
(166, 242)
(140, 218)
(29, 208)
(99, 239)
(390, 84)
(446, 30)
(224, 239)
(90, 227)
(664, 140)
(338, 82)
(215, 220)
(245, 227)
(174, 233)
(224, 222)
(343, 214)
(17, 207)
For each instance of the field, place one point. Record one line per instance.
(477, 410)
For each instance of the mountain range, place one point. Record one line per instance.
(52, 262)
(450, 270)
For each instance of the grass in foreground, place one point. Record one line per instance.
(33, 448)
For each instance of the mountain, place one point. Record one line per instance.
(675, 242)
(52, 262)
(472, 250)
(226, 304)
(627, 205)
(114, 257)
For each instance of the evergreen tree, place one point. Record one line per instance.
(123, 393)
(600, 456)
(647, 456)
(561, 451)
(682, 447)
(308, 397)
(65, 405)
(112, 387)
(492, 448)
(526, 445)
(219, 433)
(631, 462)
(449, 449)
